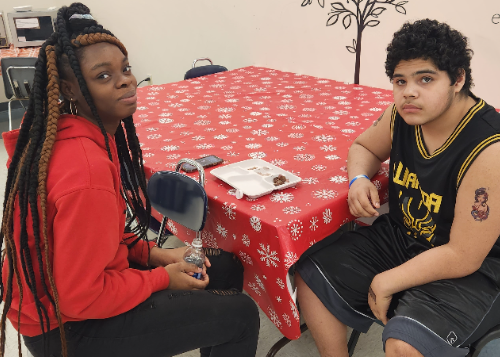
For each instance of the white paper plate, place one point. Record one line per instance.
(254, 177)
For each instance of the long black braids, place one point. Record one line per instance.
(27, 173)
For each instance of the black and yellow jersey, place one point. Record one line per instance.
(423, 186)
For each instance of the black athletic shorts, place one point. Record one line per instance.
(439, 319)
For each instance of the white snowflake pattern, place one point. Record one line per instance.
(287, 320)
(310, 180)
(230, 210)
(202, 122)
(281, 197)
(278, 162)
(258, 207)
(333, 118)
(273, 316)
(185, 133)
(246, 240)
(338, 179)
(348, 131)
(226, 147)
(384, 171)
(259, 132)
(224, 122)
(314, 224)
(295, 135)
(204, 146)
(270, 257)
(325, 194)
(332, 157)
(352, 123)
(280, 283)
(225, 110)
(198, 138)
(255, 114)
(221, 137)
(291, 210)
(208, 239)
(279, 299)
(299, 148)
(165, 115)
(375, 109)
(295, 227)
(245, 258)
(290, 259)
(304, 157)
(232, 154)
(171, 227)
(257, 155)
(281, 145)
(299, 127)
(154, 136)
(255, 288)
(232, 130)
(148, 154)
(295, 312)
(286, 107)
(165, 121)
(255, 223)
(324, 138)
(170, 148)
(377, 184)
(253, 146)
(178, 126)
(319, 168)
(221, 230)
(272, 138)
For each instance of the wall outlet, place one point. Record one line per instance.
(150, 76)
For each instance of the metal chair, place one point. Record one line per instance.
(203, 70)
(180, 198)
(18, 74)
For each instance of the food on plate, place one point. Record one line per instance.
(279, 180)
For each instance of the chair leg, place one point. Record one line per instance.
(162, 236)
(283, 342)
(353, 340)
(10, 115)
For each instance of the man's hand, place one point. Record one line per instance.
(163, 257)
(181, 277)
(363, 198)
(378, 300)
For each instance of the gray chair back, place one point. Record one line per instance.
(18, 74)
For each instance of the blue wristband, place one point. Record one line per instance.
(357, 177)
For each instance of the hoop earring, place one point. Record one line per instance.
(72, 105)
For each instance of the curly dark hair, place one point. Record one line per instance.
(431, 40)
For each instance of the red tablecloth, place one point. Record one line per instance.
(19, 52)
(301, 123)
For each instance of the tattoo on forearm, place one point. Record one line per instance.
(480, 210)
(379, 119)
(372, 294)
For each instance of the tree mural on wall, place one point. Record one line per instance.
(365, 13)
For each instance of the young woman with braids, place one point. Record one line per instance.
(67, 284)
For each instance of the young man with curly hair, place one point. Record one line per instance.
(429, 270)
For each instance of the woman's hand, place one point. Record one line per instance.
(163, 257)
(181, 278)
(363, 198)
(379, 300)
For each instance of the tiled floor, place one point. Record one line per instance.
(369, 345)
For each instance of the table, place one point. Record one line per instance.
(19, 52)
(301, 123)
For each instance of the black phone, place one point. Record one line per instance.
(207, 161)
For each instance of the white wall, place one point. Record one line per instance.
(164, 36)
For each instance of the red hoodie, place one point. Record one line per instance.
(85, 221)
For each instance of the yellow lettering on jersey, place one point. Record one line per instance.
(398, 174)
(413, 179)
(431, 200)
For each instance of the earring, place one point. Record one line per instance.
(72, 105)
